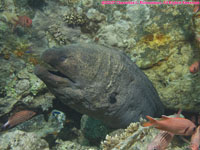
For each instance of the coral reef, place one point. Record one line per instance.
(158, 38)
(68, 2)
(124, 139)
(135, 137)
(115, 34)
(23, 87)
(63, 35)
(7, 71)
(87, 3)
(149, 46)
(95, 15)
(74, 19)
(21, 140)
(26, 81)
(87, 21)
(160, 46)
(68, 145)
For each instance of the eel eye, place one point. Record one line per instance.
(194, 128)
(62, 58)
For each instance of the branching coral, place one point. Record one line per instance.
(135, 137)
(121, 142)
(74, 19)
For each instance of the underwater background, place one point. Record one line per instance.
(162, 40)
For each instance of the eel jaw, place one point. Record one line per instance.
(53, 78)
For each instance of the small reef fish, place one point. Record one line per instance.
(196, 7)
(162, 140)
(18, 118)
(23, 21)
(195, 139)
(198, 119)
(194, 68)
(177, 126)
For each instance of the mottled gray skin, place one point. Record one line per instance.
(100, 82)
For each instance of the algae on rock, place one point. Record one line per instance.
(18, 140)
(158, 40)
(24, 87)
(69, 145)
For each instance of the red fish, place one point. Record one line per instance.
(196, 7)
(198, 119)
(195, 139)
(18, 118)
(177, 126)
(23, 21)
(162, 140)
(195, 67)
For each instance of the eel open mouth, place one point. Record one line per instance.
(58, 73)
(52, 76)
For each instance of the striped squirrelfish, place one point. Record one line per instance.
(162, 140)
(196, 6)
(18, 118)
(23, 21)
(194, 68)
(195, 139)
(177, 126)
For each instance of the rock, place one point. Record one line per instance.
(18, 140)
(87, 3)
(37, 4)
(95, 15)
(137, 137)
(92, 129)
(100, 82)
(7, 71)
(68, 145)
(115, 34)
(22, 87)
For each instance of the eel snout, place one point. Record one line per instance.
(53, 77)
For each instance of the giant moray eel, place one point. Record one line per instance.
(100, 82)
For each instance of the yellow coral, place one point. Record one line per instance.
(23, 46)
(155, 40)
